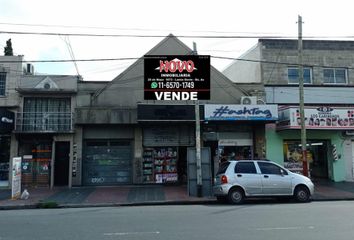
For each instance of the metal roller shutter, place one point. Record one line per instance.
(107, 162)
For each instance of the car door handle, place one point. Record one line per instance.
(239, 175)
(266, 176)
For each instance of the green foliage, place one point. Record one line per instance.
(8, 49)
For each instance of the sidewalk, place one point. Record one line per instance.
(141, 195)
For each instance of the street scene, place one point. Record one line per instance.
(176, 120)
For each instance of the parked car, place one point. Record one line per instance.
(237, 180)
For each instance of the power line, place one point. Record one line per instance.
(71, 60)
(149, 57)
(164, 36)
(123, 29)
(144, 36)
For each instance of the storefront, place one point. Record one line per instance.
(326, 140)
(7, 119)
(236, 132)
(168, 130)
(107, 162)
(36, 153)
(107, 155)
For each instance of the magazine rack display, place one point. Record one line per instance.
(160, 165)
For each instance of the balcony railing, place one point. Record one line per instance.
(44, 122)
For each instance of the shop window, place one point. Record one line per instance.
(160, 165)
(317, 151)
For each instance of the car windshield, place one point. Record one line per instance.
(222, 168)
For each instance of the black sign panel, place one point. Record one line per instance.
(177, 77)
(7, 120)
(166, 112)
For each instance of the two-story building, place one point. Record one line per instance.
(329, 102)
(36, 123)
(45, 128)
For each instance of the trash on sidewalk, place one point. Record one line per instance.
(25, 195)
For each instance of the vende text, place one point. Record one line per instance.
(176, 95)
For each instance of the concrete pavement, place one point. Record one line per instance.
(141, 195)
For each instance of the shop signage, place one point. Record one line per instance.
(235, 142)
(241, 112)
(177, 77)
(317, 118)
(149, 112)
(16, 178)
(7, 120)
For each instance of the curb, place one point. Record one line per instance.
(137, 204)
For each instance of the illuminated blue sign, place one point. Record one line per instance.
(241, 112)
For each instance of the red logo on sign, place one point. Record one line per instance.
(176, 65)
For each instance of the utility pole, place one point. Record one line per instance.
(198, 141)
(301, 95)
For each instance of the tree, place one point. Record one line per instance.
(8, 49)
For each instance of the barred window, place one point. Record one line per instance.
(47, 114)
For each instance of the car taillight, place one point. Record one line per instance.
(223, 179)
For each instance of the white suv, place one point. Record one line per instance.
(236, 180)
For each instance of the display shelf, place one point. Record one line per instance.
(160, 164)
(148, 166)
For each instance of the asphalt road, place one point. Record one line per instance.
(316, 220)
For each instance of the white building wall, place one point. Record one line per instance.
(247, 70)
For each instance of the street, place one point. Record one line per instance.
(316, 220)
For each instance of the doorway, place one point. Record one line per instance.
(318, 160)
(317, 151)
(61, 163)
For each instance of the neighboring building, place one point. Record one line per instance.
(10, 72)
(329, 102)
(45, 128)
(36, 124)
(123, 139)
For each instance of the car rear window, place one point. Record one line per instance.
(222, 168)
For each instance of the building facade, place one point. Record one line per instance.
(123, 139)
(37, 124)
(44, 128)
(329, 101)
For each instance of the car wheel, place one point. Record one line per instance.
(301, 194)
(236, 196)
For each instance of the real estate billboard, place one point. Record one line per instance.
(177, 77)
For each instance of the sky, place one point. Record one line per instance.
(256, 18)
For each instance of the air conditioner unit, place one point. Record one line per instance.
(249, 100)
